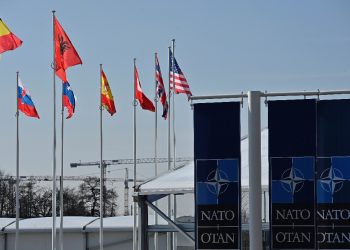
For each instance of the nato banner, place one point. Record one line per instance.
(333, 174)
(292, 150)
(309, 152)
(217, 155)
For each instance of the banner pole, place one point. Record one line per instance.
(101, 165)
(169, 148)
(61, 179)
(254, 155)
(135, 203)
(54, 144)
(17, 168)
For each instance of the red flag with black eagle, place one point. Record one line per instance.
(65, 53)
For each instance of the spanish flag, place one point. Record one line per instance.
(107, 100)
(8, 40)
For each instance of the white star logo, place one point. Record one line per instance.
(292, 180)
(331, 180)
(217, 182)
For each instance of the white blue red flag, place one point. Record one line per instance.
(68, 99)
(161, 90)
(25, 103)
(177, 78)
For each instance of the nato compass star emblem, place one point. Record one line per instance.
(292, 180)
(331, 180)
(217, 182)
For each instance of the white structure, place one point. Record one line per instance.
(82, 233)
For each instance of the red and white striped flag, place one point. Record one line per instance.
(177, 78)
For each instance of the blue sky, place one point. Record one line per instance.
(222, 47)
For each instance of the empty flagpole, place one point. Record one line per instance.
(101, 165)
(54, 144)
(61, 179)
(135, 203)
(17, 167)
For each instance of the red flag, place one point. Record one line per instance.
(140, 96)
(8, 40)
(65, 53)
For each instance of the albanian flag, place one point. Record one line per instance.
(65, 53)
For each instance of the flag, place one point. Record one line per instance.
(106, 95)
(25, 103)
(65, 53)
(8, 40)
(161, 89)
(181, 84)
(140, 96)
(68, 99)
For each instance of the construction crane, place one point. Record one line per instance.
(49, 178)
(127, 161)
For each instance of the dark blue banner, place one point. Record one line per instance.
(292, 150)
(309, 152)
(217, 155)
(333, 174)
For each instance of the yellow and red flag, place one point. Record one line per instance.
(65, 53)
(8, 40)
(106, 95)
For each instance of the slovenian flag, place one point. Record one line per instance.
(25, 103)
(68, 99)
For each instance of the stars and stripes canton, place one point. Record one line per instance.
(177, 78)
(161, 90)
(25, 103)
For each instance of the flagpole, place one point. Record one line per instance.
(61, 179)
(101, 165)
(169, 152)
(17, 168)
(174, 135)
(135, 203)
(155, 146)
(54, 145)
(174, 91)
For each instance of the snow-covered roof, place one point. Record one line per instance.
(181, 180)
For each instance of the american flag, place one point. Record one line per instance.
(161, 90)
(181, 84)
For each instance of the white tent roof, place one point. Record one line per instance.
(181, 180)
(73, 224)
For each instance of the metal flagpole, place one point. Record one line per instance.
(61, 179)
(54, 145)
(174, 134)
(17, 168)
(101, 165)
(174, 91)
(155, 146)
(169, 149)
(135, 203)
